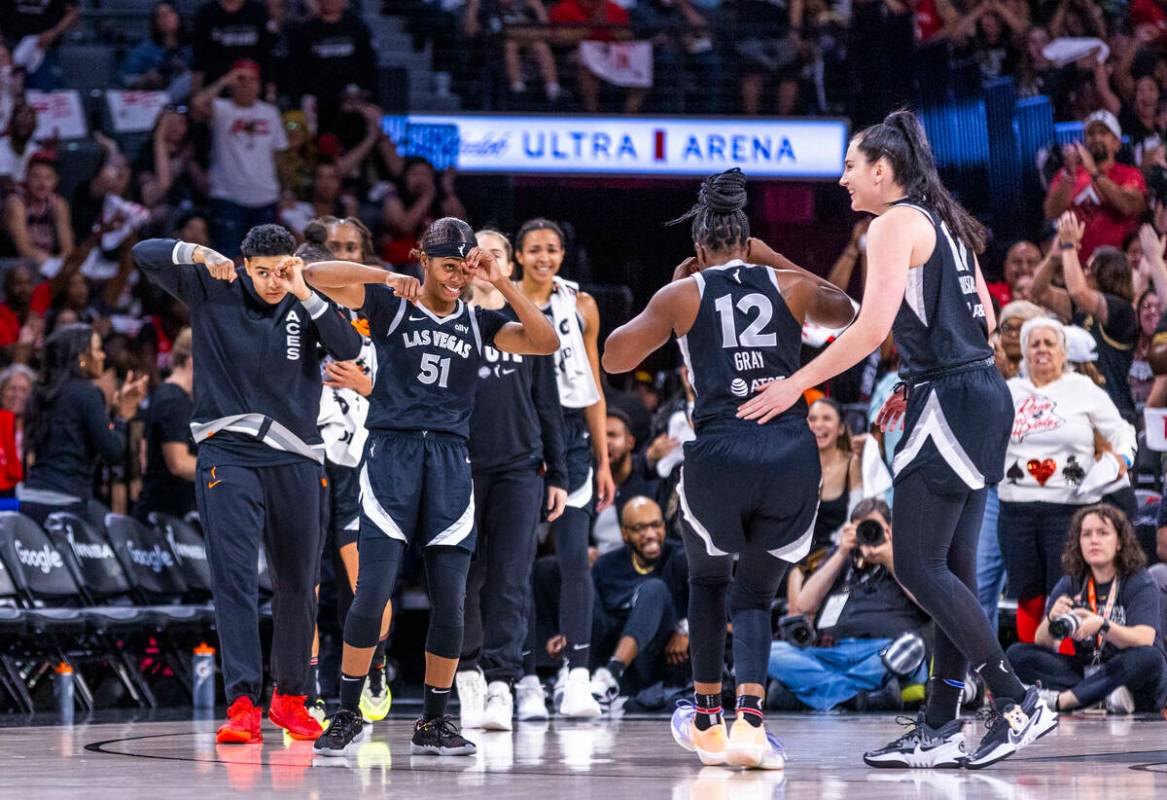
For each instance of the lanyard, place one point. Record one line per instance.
(1093, 598)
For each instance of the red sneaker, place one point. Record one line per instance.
(242, 725)
(289, 712)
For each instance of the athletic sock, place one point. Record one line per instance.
(434, 703)
(314, 675)
(708, 711)
(749, 708)
(350, 691)
(616, 667)
(944, 695)
(1001, 680)
(379, 655)
(578, 655)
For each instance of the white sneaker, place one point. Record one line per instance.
(500, 706)
(578, 702)
(471, 698)
(1120, 701)
(605, 687)
(530, 699)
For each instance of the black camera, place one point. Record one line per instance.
(797, 630)
(870, 533)
(1066, 624)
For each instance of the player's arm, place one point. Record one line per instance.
(344, 282)
(827, 304)
(636, 339)
(533, 333)
(985, 298)
(172, 265)
(596, 415)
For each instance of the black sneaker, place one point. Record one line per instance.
(922, 746)
(887, 698)
(344, 732)
(439, 737)
(1011, 726)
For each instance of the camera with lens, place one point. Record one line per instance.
(869, 532)
(1065, 624)
(797, 630)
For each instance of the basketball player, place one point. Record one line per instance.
(539, 249)
(260, 460)
(516, 429)
(743, 490)
(924, 284)
(415, 478)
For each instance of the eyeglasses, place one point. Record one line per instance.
(641, 527)
(1010, 327)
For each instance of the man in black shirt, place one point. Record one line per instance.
(47, 20)
(331, 51)
(227, 31)
(859, 610)
(168, 484)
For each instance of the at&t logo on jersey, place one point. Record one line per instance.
(738, 388)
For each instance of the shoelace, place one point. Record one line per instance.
(914, 732)
(990, 716)
(444, 726)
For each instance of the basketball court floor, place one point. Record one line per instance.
(1094, 758)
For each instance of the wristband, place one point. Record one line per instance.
(1067, 246)
(183, 252)
(314, 305)
(1105, 629)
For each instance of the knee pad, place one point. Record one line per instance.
(444, 639)
(743, 598)
(361, 630)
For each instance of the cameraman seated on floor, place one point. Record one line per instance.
(641, 599)
(1109, 606)
(869, 628)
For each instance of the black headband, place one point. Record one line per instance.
(450, 249)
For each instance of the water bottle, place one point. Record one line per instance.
(63, 689)
(203, 669)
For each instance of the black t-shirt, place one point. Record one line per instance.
(167, 420)
(328, 57)
(221, 38)
(876, 606)
(616, 580)
(1141, 137)
(1139, 602)
(20, 18)
(1116, 349)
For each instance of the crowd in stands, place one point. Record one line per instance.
(271, 118)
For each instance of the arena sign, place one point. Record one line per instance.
(803, 149)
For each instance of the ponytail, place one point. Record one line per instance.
(901, 139)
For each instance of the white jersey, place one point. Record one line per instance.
(343, 411)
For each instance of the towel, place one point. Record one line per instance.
(577, 382)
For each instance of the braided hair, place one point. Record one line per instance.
(62, 363)
(901, 139)
(719, 217)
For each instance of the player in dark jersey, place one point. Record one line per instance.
(924, 284)
(517, 451)
(743, 490)
(415, 476)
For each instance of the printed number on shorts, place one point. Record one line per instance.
(434, 370)
(752, 336)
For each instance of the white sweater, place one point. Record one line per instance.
(1052, 448)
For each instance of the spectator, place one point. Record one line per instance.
(69, 425)
(1138, 119)
(518, 25)
(842, 483)
(168, 480)
(420, 200)
(683, 55)
(573, 17)
(1061, 420)
(11, 86)
(1147, 311)
(1013, 317)
(15, 385)
(16, 147)
(641, 604)
(102, 212)
(329, 52)
(168, 172)
(1118, 648)
(246, 136)
(989, 34)
(37, 219)
(769, 43)
(1107, 197)
(193, 227)
(31, 29)
(632, 476)
(296, 165)
(1036, 74)
(1021, 260)
(226, 32)
(21, 326)
(162, 60)
(860, 610)
(328, 200)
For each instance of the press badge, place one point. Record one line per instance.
(832, 610)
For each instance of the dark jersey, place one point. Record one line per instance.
(167, 421)
(941, 322)
(427, 366)
(744, 336)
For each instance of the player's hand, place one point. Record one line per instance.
(770, 401)
(347, 375)
(686, 268)
(556, 502)
(406, 287)
(289, 274)
(127, 398)
(556, 645)
(220, 267)
(890, 417)
(481, 264)
(677, 649)
(605, 488)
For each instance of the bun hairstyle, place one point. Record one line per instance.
(900, 138)
(317, 232)
(719, 217)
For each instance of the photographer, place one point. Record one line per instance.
(1110, 607)
(860, 612)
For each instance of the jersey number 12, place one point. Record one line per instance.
(434, 370)
(752, 336)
